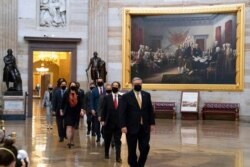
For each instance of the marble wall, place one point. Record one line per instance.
(99, 24)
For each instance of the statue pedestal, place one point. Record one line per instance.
(13, 108)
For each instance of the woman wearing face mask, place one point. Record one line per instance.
(47, 104)
(71, 108)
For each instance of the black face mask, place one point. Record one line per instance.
(115, 89)
(108, 91)
(63, 87)
(73, 88)
(137, 88)
(50, 89)
(100, 83)
(92, 87)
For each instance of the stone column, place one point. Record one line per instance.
(98, 28)
(8, 31)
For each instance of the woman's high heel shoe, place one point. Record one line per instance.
(69, 145)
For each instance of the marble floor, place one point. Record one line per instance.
(175, 143)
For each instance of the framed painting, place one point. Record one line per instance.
(184, 48)
(189, 102)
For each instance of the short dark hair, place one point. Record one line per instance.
(60, 80)
(118, 83)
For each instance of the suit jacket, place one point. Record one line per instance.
(94, 101)
(81, 94)
(46, 99)
(131, 114)
(57, 101)
(87, 97)
(109, 114)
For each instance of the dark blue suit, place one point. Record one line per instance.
(137, 131)
(94, 102)
(56, 104)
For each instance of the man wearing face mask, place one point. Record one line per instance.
(97, 92)
(137, 121)
(110, 121)
(90, 118)
(56, 104)
(47, 104)
(100, 106)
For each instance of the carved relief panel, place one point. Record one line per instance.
(52, 13)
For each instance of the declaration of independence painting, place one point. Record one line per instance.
(190, 48)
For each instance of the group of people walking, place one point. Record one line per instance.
(109, 114)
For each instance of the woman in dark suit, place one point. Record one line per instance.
(71, 109)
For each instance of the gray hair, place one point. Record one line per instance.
(136, 78)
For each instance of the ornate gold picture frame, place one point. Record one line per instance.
(184, 48)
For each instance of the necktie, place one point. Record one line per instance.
(139, 103)
(115, 102)
(101, 91)
(138, 99)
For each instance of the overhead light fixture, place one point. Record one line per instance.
(48, 57)
(42, 69)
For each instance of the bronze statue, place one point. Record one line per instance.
(98, 68)
(11, 73)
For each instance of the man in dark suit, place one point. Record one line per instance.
(90, 118)
(56, 105)
(137, 121)
(94, 101)
(110, 120)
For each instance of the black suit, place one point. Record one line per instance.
(137, 121)
(110, 117)
(56, 104)
(81, 95)
(90, 118)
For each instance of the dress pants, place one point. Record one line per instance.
(60, 127)
(97, 127)
(115, 132)
(143, 141)
(90, 123)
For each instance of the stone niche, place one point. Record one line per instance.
(13, 108)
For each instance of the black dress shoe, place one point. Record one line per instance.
(88, 132)
(93, 135)
(119, 160)
(106, 156)
(98, 140)
(61, 140)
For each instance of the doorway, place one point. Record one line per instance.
(50, 46)
(48, 66)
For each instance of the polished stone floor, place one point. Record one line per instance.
(173, 144)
